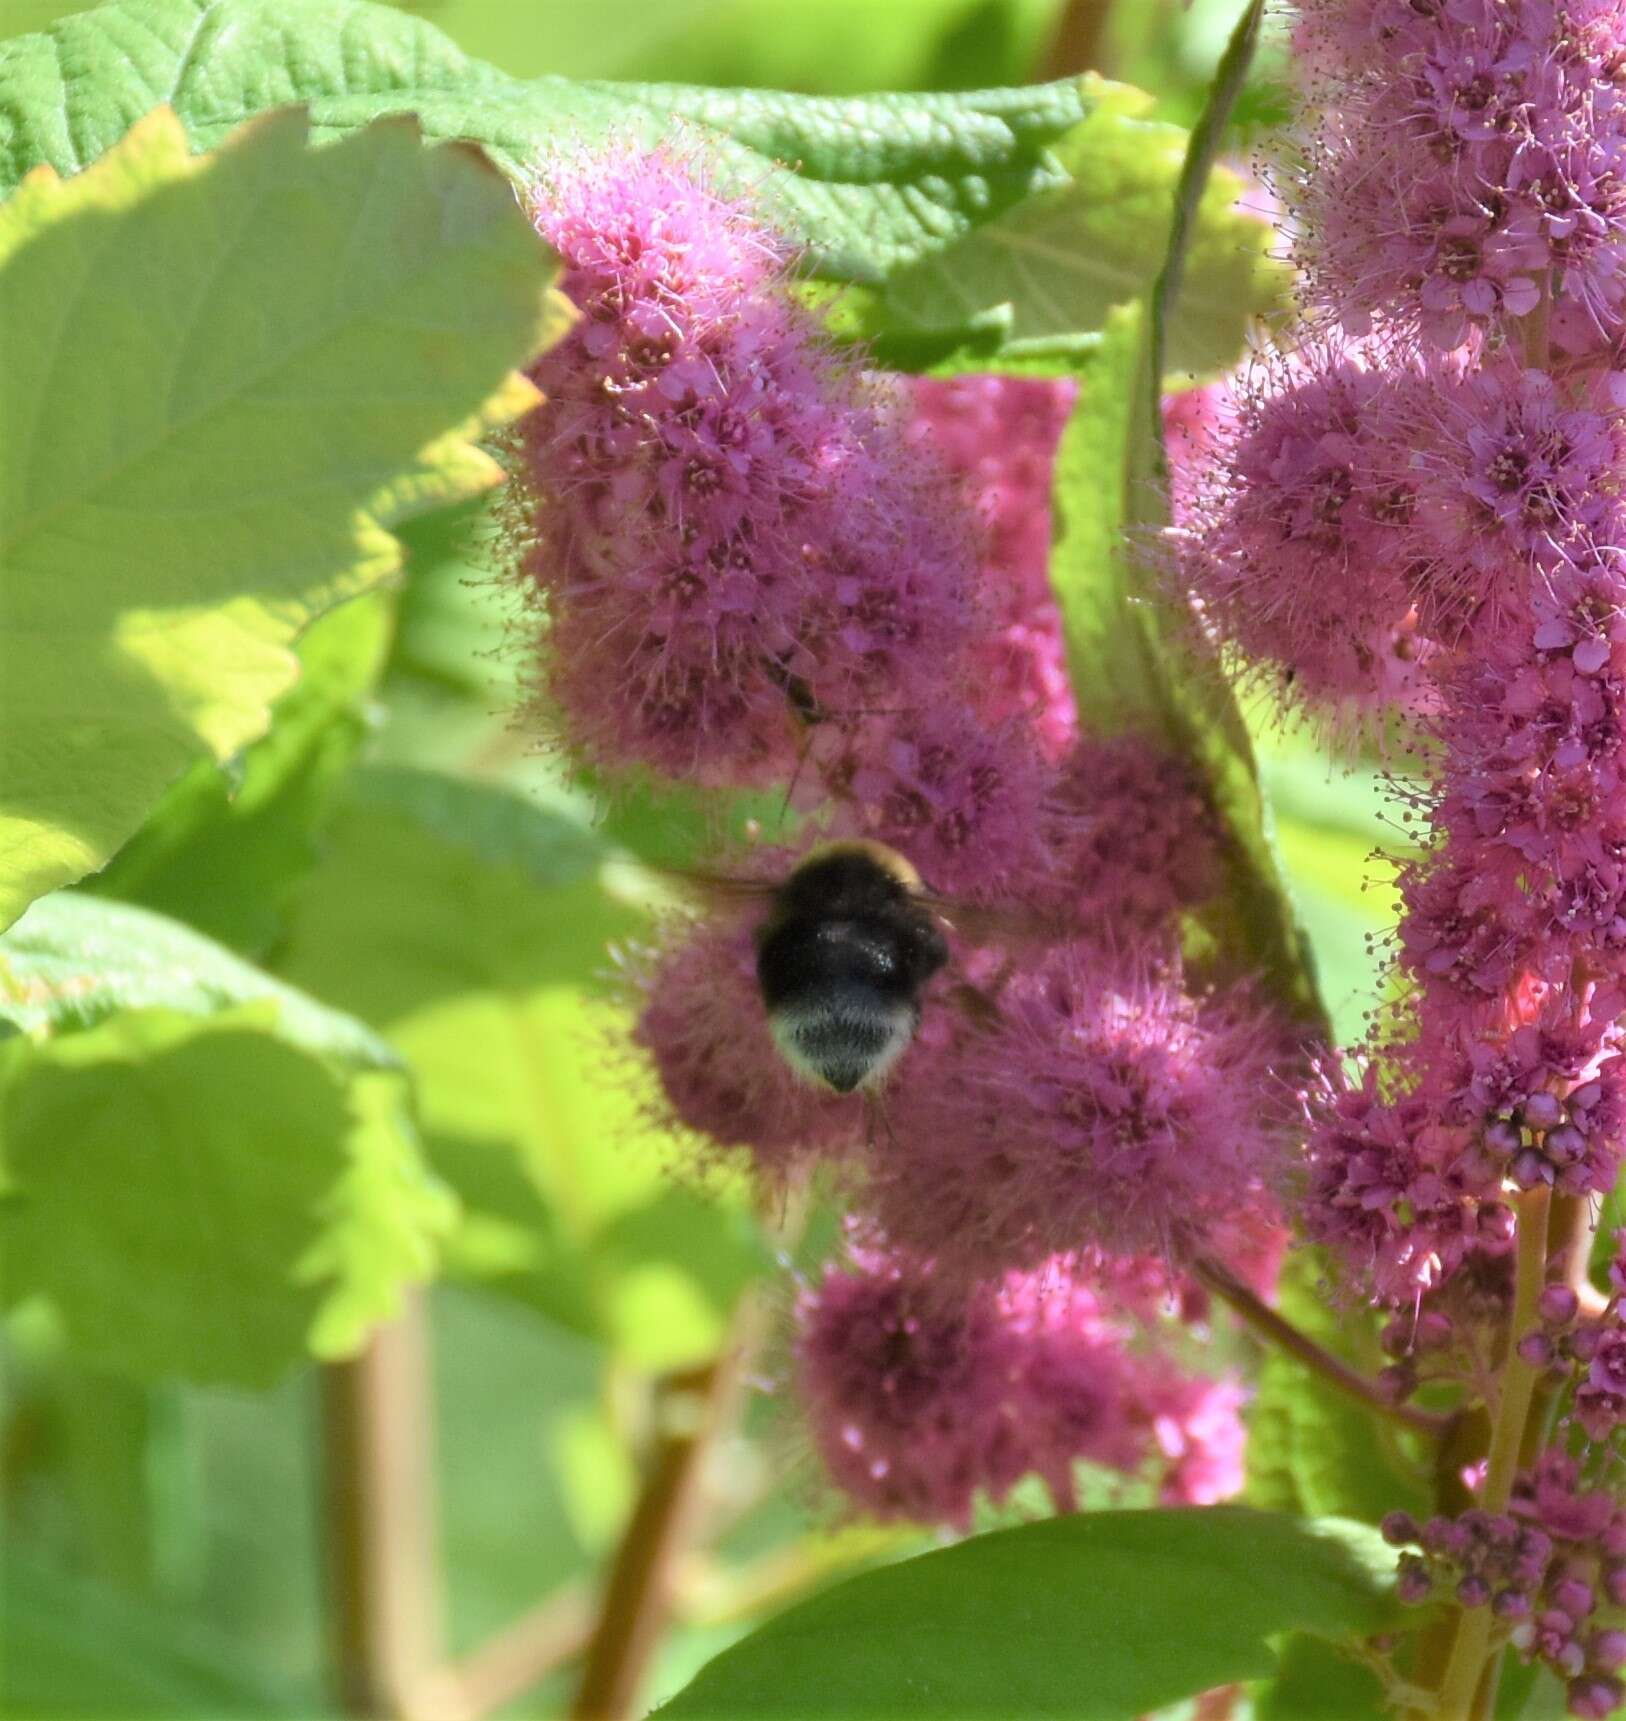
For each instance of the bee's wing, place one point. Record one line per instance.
(996, 923)
(714, 889)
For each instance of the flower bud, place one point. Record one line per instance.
(1593, 1697)
(1606, 1651)
(1536, 1350)
(1573, 1597)
(1413, 1583)
(1399, 1528)
(1558, 1305)
(1542, 1110)
(1530, 1169)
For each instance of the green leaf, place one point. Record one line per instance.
(73, 961)
(172, 1118)
(835, 46)
(1064, 257)
(1338, 1459)
(1136, 658)
(74, 1648)
(1094, 1618)
(872, 182)
(199, 1198)
(1330, 822)
(471, 926)
(224, 847)
(343, 329)
(1316, 1683)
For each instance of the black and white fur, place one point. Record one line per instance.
(843, 959)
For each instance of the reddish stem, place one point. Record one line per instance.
(692, 1406)
(1275, 1329)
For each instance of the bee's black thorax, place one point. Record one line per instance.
(842, 960)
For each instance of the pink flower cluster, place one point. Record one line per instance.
(921, 1396)
(1464, 155)
(1415, 520)
(758, 564)
(1101, 1105)
(1552, 1569)
(999, 435)
(726, 522)
(1432, 530)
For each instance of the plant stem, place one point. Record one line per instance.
(693, 1406)
(378, 1489)
(1471, 1649)
(1076, 45)
(1275, 1329)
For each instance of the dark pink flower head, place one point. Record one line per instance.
(703, 1027)
(1134, 838)
(922, 1393)
(1101, 1104)
(1288, 542)
(1078, 1386)
(1397, 1192)
(723, 518)
(909, 1392)
(962, 798)
(1460, 155)
(999, 435)
(1511, 485)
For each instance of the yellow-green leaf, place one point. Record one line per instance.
(226, 375)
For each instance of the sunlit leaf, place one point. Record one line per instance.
(308, 343)
(197, 1197)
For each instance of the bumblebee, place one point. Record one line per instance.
(844, 955)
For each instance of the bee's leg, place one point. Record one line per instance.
(796, 775)
(875, 1113)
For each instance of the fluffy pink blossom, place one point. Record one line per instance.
(922, 1394)
(1459, 156)
(1101, 1104)
(909, 1394)
(1511, 489)
(1200, 1432)
(721, 1077)
(1133, 838)
(1080, 1391)
(999, 434)
(727, 524)
(1396, 1192)
(1287, 538)
(962, 798)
